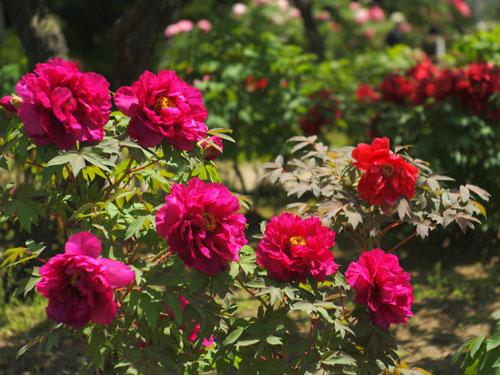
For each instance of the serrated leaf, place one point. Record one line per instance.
(403, 209)
(464, 193)
(481, 193)
(77, 164)
(353, 218)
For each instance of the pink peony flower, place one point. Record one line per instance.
(204, 25)
(283, 5)
(185, 26)
(381, 284)
(293, 248)
(210, 152)
(171, 30)
(201, 224)
(361, 16)
(354, 5)
(163, 107)
(61, 105)
(387, 176)
(376, 13)
(79, 285)
(462, 7)
(294, 13)
(239, 9)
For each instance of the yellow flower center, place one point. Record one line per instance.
(210, 223)
(163, 102)
(74, 278)
(298, 240)
(387, 170)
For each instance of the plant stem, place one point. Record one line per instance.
(403, 242)
(251, 292)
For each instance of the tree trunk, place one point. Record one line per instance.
(136, 34)
(38, 29)
(316, 42)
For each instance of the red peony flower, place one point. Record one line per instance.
(211, 152)
(79, 285)
(163, 107)
(61, 105)
(444, 85)
(323, 112)
(387, 176)
(293, 248)
(366, 95)
(381, 284)
(421, 76)
(395, 89)
(201, 225)
(477, 84)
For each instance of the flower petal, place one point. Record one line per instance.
(119, 274)
(83, 243)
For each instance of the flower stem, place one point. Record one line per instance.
(251, 292)
(403, 242)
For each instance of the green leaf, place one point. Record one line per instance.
(77, 164)
(134, 227)
(174, 304)
(493, 341)
(247, 342)
(233, 336)
(63, 159)
(274, 340)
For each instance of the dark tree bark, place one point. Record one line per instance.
(316, 42)
(136, 34)
(38, 29)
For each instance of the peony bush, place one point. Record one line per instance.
(140, 186)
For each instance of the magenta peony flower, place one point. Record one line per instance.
(61, 105)
(201, 225)
(79, 285)
(293, 248)
(381, 284)
(163, 106)
(7, 106)
(210, 152)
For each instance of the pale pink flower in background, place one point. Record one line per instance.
(376, 13)
(323, 15)
(185, 26)
(239, 9)
(204, 25)
(171, 30)
(261, 2)
(294, 13)
(362, 16)
(354, 5)
(206, 77)
(283, 5)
